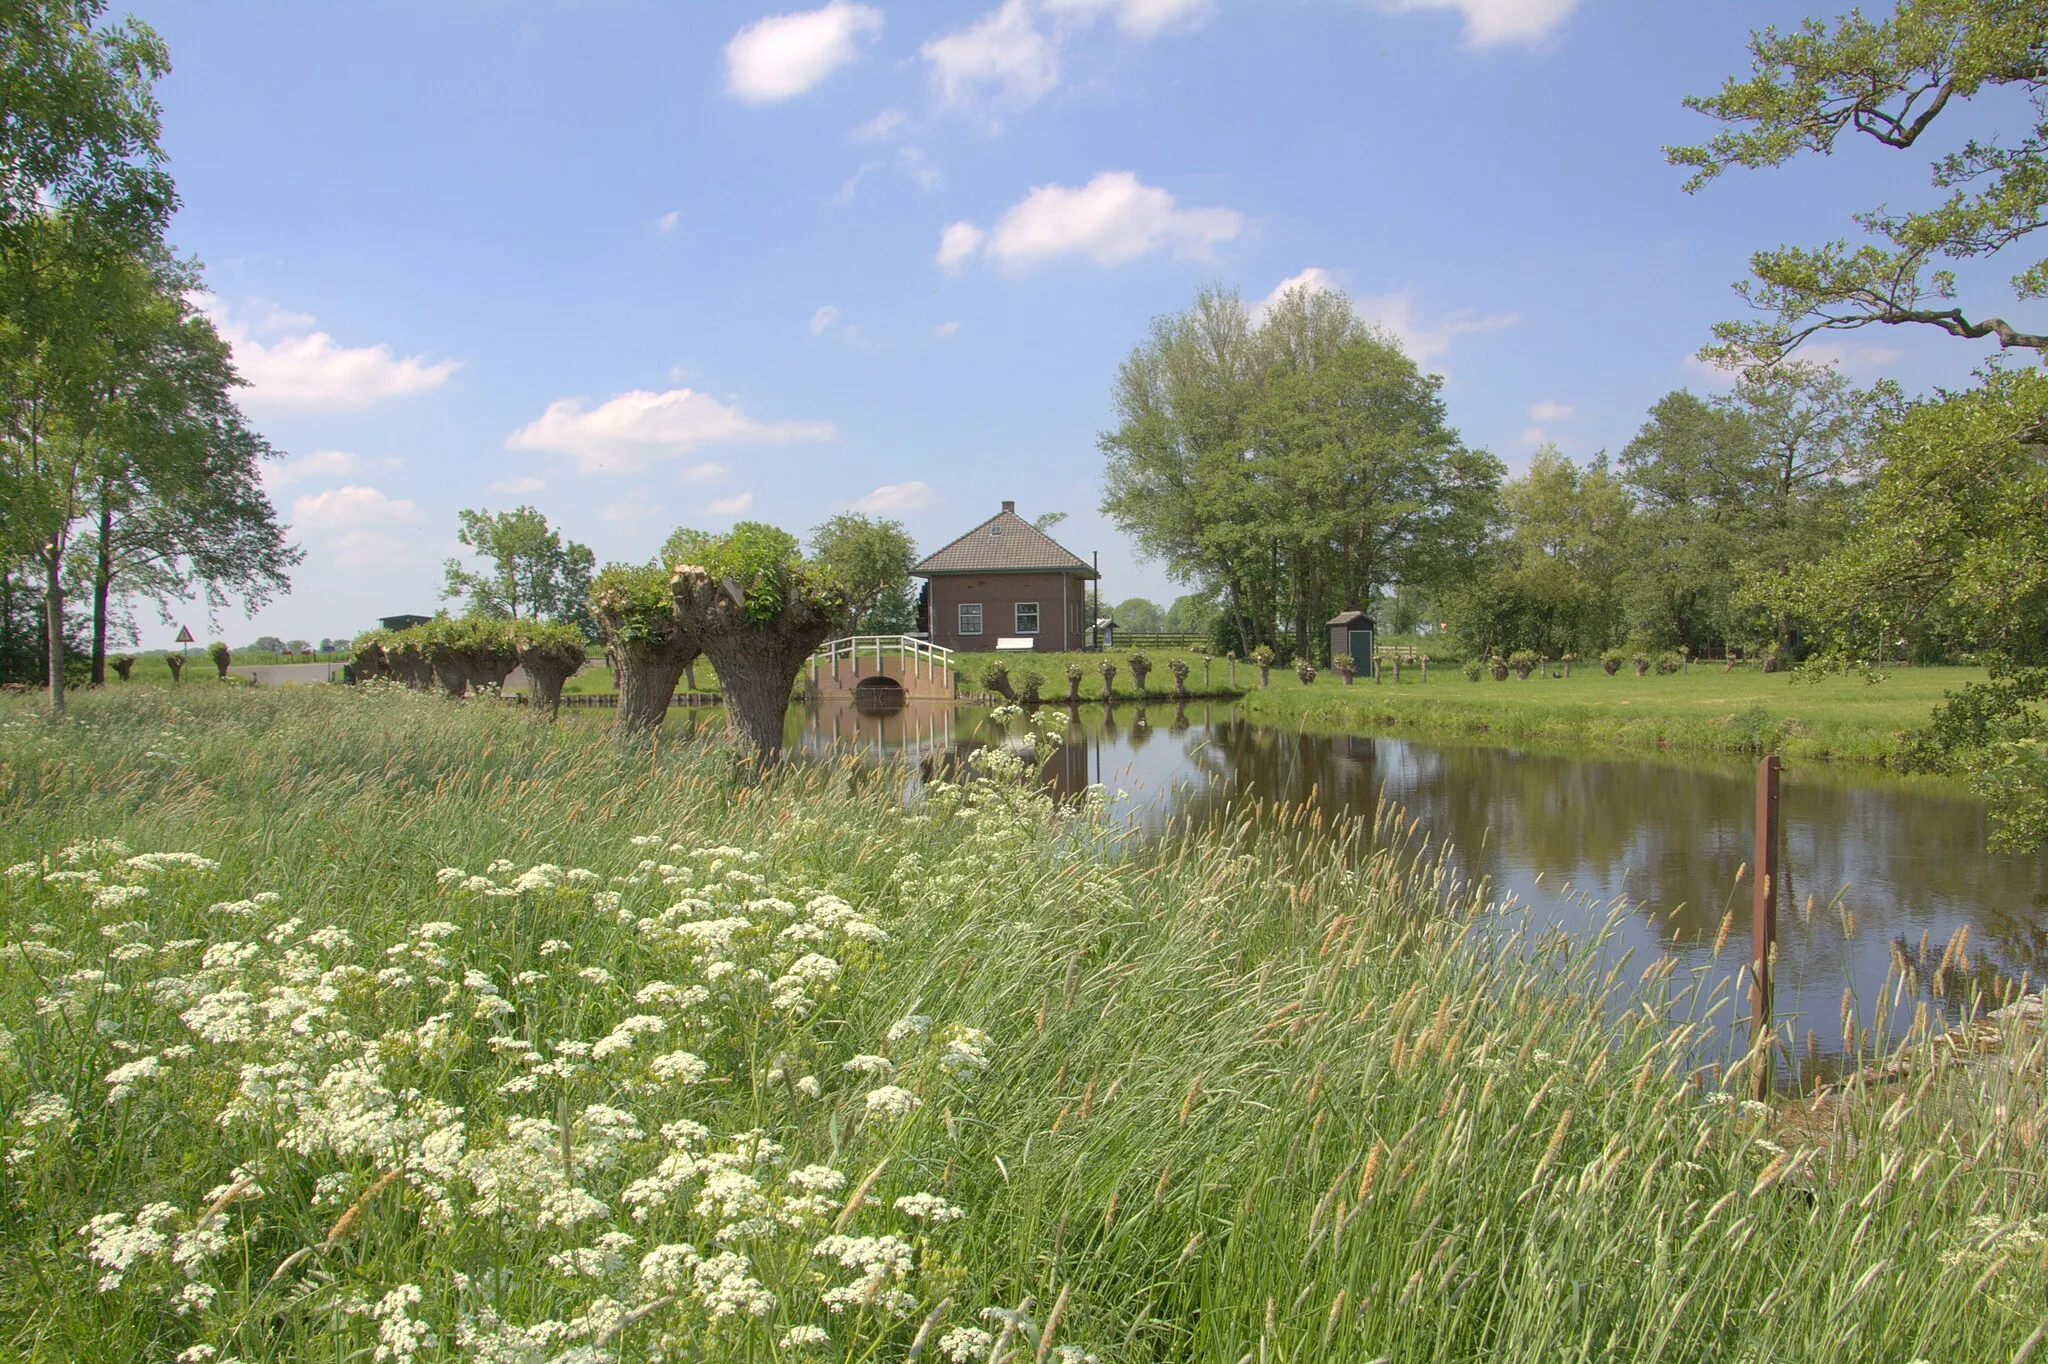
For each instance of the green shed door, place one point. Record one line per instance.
(1361, 650)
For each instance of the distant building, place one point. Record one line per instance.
(1006, 580)
(402, 622)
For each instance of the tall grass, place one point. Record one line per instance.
(1255, 1093)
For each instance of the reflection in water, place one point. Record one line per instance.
(1869, 863)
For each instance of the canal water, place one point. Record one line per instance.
(1872, 863)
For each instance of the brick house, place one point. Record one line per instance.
(1005, 579)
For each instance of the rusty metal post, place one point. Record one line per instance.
(1763, 938)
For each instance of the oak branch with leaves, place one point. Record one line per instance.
(1890, 81)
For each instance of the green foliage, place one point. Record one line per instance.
(1263, 655)
(1669, 662)
(1994, 735)
(1756, 730)
(763, 563)
(868, 559)
(632, 603)
(1951, 542)
(1474, 670)
(557, 644)
(1290, 466)
(1524, 662)
(1890, 78)
(534, 574)
(1139, 616)
(1611, 661)
(1306, 671)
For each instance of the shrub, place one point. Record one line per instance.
(996, 677)
(1641, 662)
(1670, 662)
(218, 652)
(1029, 684)
(176, 663)
(1611, 661)
(1524, 662)
(1074, 674)
(1345, 667)
(1756, 730)
(1474, 670)
(1108, 671)
(1499, 667)
(123, 664)
(1179, 668)
(1306, 671)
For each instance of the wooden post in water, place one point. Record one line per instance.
(1763, 940)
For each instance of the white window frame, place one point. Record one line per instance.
(1017, 617)
(965, 608)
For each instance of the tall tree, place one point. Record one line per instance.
(1889, 80)
(1291, 465)
(1556, 580)
(176, 504)
(869, 558)
(533, 574)
(83, 192)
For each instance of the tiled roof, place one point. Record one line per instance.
(1005, 543)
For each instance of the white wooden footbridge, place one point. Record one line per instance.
(883, 668)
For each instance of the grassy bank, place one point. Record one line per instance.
(397, 1023)
(1840, 718)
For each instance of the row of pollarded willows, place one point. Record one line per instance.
(474, 652)
(746, 599)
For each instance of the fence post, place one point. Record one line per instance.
(1764, 918)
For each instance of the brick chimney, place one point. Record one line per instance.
(1009, 506)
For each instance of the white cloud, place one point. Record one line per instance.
(729, 506)
(518, 487)
(706, 472)
(823, 318)
(634, 429)
(320, 464)
(945, 329)
(1139, 18)
(352, 504)
(881, 125)
(1315, 279)
(633, 507)
(957, 243)
(1111, 219)
(667, 221)
(1425, 341)
(784, 55)
(1003, 50)
(302, 370)
(1548, 411)
(1489, 23)
(898, 497)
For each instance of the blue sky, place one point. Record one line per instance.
(645, 265)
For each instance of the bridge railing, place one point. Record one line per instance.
(920, 656)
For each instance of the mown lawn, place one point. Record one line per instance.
(344, 1023)
(1842, 717)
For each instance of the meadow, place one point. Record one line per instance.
(1841, 717)
(349, 1023)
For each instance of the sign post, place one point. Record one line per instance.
(184, 643)
(1764, 917)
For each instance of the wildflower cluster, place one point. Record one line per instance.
(460, 1074)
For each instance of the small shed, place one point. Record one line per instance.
(1351, 635)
